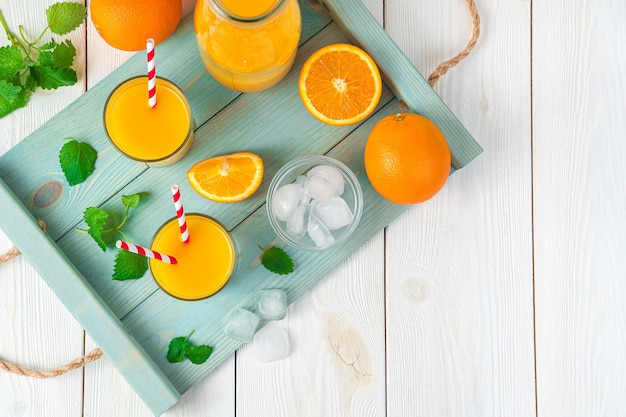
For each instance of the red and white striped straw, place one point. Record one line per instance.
(151, 73)
(180, 214)
(120, 244)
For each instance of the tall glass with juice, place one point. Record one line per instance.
(248, 45)
(203, 265)
(159, 135)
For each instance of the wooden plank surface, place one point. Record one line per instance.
(470, 318)
(579, 201)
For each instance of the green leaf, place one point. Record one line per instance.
(46, 58)
(64, 54)
(64, 17)
(199, 354)
(59, 57)
(48, 46)
(9, 91)
(12, 97)
(96, 219)
(129, 265)
(132, 201)
(277, 260)
(177, 349)
(11, 61)
(180, 347)
(77, 161)
(29, 82)
(50, 78)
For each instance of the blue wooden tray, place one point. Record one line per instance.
(134, 321)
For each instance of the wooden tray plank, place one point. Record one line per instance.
(85, 304)
(402, 77)
(160, 318)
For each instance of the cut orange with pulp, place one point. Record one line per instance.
(227, 178)
(340, 84)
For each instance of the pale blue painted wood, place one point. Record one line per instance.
(273, 124)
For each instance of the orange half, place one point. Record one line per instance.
(227, 178)
(340, 84)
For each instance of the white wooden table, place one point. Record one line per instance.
(503, 296)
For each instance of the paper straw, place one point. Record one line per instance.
(151, 73)
(180, 214)
(120, 244)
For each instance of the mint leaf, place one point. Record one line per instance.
(11, 61)
(50, 69)
(132, 201)
(277, 260)
(77, 161)
(8, 91)
(177, 349)
(12, 97)
(199, 354)
(180, 347)
(129, 265)
(63, 55)
(104, 225)
(48, 46)
(29, 83)
(96, 219)
(64, 17)
(50, 78)
(46, 58)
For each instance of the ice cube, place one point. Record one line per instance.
(304, 197)
(318, 188)
(241, 324)
(330, 174)
(272, 344)
(319, 232)
(272, 304)
(335, 213)
(296, 225)
(285, 200)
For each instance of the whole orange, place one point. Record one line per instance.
(127, 24)
(407, 158)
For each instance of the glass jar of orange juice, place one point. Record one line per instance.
(248, 45)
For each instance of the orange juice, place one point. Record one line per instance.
(247, 45)
(158, 136)
(204, 264)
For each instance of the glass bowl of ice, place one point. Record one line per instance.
(314, 202)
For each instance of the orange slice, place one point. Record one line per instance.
(227, 178)
(340, 84)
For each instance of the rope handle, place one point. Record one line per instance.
(96, 354)
(454, 61)
(60, 370)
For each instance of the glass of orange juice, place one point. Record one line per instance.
(248, 45)
(204, 264)
(159, 135)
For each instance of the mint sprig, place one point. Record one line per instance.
(104, 225)
(27, 64)
(180, 347)
(77, 160)
(276, 260)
